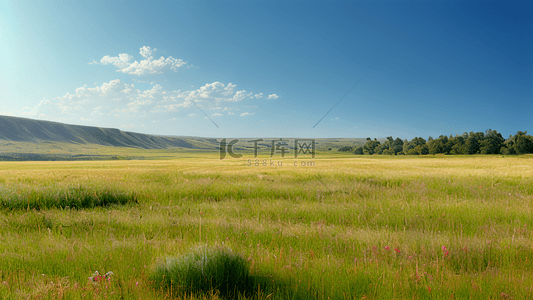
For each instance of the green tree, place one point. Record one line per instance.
(370, 146)
(359, 150)
(523, 143)
(472, 143)
(416, 146)
(397, 146)
(491, 143)
(458, 145)
(346, 149)
(434, 146)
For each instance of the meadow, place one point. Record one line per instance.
(344, 227)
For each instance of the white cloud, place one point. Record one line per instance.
(121, 61)
(146, 51)
(216, 115)
(149, 65)
(114, 98)
(273, 96)
(240, 95)
(214, 93)
(257, 96)
(117, 102)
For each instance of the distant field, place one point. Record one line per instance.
(63, 151)
(333, 227)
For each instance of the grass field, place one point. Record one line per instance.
(435, 227)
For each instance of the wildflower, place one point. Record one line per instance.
(95, 276)
(397, 250)
(98, 278)
(387, 248)
(446, 252)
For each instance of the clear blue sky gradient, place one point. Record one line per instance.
(432, 67)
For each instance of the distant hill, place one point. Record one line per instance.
(28, 139)
(35, 131)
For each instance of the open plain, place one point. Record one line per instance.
(343, 227)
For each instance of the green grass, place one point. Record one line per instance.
(348, 228)
(46, 197)
(204, 270)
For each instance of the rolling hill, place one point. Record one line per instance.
(35, 140)
(16, 129)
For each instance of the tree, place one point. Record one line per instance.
(491, 143)
(397, 146)
(523, 143)
(434, 146)
(385, 146)
(472, 143)
(346, 149)
(370, 146)
(507, 150)
(416, 146)
(448, 145)
(458, 145)
(406, 147)
(359, 151)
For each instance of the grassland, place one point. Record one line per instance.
(436, 227)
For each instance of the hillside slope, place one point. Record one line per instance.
(34, 131)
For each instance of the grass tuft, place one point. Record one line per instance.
(205, 270)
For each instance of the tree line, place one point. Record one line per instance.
(490, 142)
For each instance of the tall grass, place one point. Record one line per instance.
(367, 228)
(73, 197)
(205, 269)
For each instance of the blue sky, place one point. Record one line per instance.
(271, 68)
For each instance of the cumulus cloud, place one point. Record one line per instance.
(213, 94)
(146, 51)
(149, 65)
(122, 101)
(257, 96)
(216, 115)
(247, 114)
(273, 96)
(112, 98)
(121, 61)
